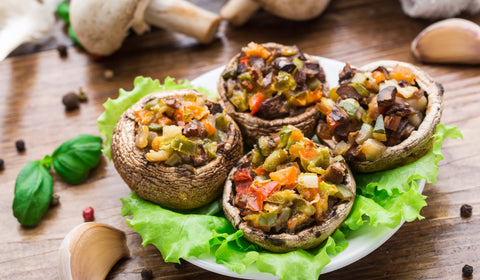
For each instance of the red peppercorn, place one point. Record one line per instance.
(88, 214)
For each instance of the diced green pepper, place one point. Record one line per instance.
(155, 127)
(174, 160)
(221, 122)
(298, 62)
(343, 193)
(379, 129)
(184, 145)
(267, 219)
(313, 83)
(277, 157)
(257, 158)
(360, 89)
(284, 82)
(245, 76)
(285, 136)
(150, 105)
(350, 106)
(303, 206)
(327, 188)
(264, 146)
(211, 148)
(239, 100)
(232, 73)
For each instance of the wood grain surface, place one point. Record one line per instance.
(356, 31)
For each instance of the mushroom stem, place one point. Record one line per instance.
(183, 17)
(238, 12)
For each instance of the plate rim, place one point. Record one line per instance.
(208, 80)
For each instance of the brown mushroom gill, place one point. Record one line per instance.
(254, 126)
(175, 187)
(419, 140)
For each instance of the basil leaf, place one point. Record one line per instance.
(74, 158)
(63, 11)
(33, 192)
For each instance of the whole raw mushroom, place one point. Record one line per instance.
(101, 26)
(239, 12)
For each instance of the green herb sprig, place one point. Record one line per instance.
(72, 160)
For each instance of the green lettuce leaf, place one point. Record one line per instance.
(114, 108)
(384, 198)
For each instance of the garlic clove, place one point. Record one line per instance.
(90, 250)
(448, 41)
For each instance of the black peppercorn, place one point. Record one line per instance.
(466, 211)
(2, 164)
(146, 274)
(55, 200)
(467, 270)
(20, 145)
(180, 265)
(71, 101)
(62, 50)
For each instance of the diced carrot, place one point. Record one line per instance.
(255, 101)
(257, 50)
(163, 120)
(378, 76)
(209, 127)
(332, 124)
(309, 153)
(297, 135)
(144, 117)
(314, 96)
(178, 115)
(260, 171)
(402, 73)
(285, 176)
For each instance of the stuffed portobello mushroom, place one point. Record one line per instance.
(267, 86)
(381, 116)
(288, 192)
(175, 148)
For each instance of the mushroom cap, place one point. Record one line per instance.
(421, 140)
(253, 127)
(172, 187)
(284, 242)
(295, 9)
(101, 26)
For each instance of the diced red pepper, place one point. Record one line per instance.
(245, 60)
(257, 193)
(242, 180)
(255, 101)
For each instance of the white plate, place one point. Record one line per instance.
(360, 242)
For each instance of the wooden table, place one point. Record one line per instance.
(356, 31)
